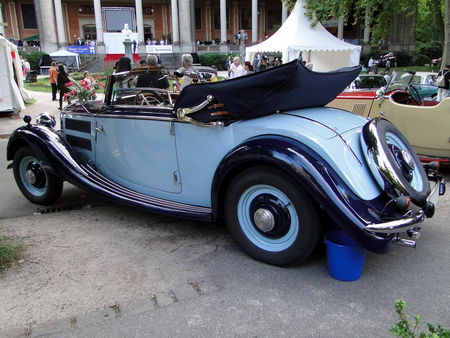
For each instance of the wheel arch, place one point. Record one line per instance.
(26, 137)
(310, 171)
(270, 151)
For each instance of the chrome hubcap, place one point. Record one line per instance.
(408, 159)
(264, 220)
(30, 176)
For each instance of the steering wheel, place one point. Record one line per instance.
(415, 95)
(156, 99)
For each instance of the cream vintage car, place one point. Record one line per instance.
(425, 123)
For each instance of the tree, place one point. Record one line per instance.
(382, 12)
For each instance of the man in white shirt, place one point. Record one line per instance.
(236, 68)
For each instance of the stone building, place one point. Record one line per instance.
(58, 23)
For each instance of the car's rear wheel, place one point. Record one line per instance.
(36, 184)
(271, 217)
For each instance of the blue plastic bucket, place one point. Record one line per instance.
(345, 258)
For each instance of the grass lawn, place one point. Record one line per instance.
(9, 253)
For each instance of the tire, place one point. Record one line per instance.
(36, 184)
(413, 178)
(288, 229)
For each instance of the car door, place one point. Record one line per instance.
(135, 147)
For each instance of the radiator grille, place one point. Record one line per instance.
(359, 108)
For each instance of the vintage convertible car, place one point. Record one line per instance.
(425, 123)
(260, 151)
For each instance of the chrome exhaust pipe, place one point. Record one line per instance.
(404, 242)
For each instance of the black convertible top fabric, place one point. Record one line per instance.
(289, 86)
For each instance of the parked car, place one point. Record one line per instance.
(423, 82)
(260, 151)
(367, 81)
(436, 62)
(425, 123)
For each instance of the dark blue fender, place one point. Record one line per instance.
(316, 176)
(57, 156)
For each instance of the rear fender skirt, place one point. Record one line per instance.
(58, 157)
(317, 177)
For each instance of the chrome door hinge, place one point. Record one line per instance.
(176, 177)
(172, 128)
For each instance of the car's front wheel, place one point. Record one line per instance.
(36, 184)
(271, 217)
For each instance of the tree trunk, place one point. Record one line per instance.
(436, 10)
(446, 47)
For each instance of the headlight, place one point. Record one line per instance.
(46, 119)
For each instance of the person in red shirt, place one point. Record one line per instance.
(53, 80)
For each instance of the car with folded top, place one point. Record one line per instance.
(260, 151)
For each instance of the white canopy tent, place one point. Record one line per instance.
(318, 46)
(69, 59)
(12, 93)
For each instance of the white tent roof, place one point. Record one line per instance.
(324, 50)
(64, 55)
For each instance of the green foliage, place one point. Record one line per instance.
(216, 60)
(33, 58)
(432, 48)
(406, 329)
(8, 253)
(404, 59)
(421, 60)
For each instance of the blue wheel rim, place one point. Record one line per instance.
(246, 219)
(416, 182)
(23, 167)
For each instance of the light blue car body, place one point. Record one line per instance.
(164, 158)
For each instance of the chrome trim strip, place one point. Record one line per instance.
(129, 117)
(400, 225)
(134, 195)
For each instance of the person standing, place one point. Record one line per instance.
(62, 80)
(443, 91)
(370, 64)
(236, 68)
(53, 79)
(387, 68)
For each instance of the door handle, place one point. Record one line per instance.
(99, 129)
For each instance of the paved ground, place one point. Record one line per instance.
(112, 271)
(43, 103)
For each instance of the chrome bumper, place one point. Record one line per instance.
(409, 222)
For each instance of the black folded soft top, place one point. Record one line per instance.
(287, 87)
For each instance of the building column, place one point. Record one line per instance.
(140, 27)
(223, 21)
(14, 23)
(46, 25)
(208, 30)
(187, 26)
(235, 15)
(61, 32)
(254, 21)
(139, 21)
(2, 22)
(340, 32)
(262, 22)
(175, 23)
(99, 26)
(164, 18)
(284, 12)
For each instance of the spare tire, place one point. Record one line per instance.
(390, 156)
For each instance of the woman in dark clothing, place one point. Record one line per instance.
(123, 65)
(63, 78)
